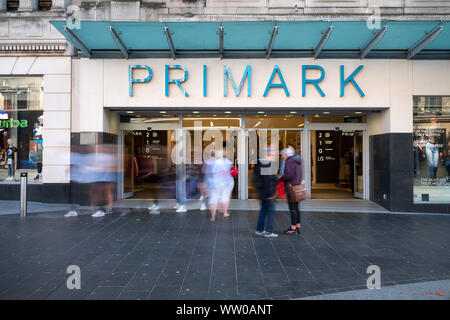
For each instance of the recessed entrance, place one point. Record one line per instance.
(153, 148)
(336, 164)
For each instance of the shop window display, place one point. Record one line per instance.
(431, 149)
(21, 125)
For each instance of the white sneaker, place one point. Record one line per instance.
(201, 198)
(154, 211)
(72, 213)
(182, 209)
(259, 233)
(270, 235)
(203, 207)
(99, 213)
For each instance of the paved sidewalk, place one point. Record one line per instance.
(323, 205)
(133, 255)
(432, 290)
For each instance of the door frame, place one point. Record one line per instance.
(129, 127)
(306, 149)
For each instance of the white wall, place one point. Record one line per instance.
(87, 86)
(388, 85)
(56, 72)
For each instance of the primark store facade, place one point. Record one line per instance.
(368, 109)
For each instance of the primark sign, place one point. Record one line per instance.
(276, 81)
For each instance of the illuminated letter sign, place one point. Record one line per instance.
(131, 80)
(276, 69)
(227, 75)
(351, 79)
(312, 81)
(177, 81)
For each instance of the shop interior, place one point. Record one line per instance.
(150, 172)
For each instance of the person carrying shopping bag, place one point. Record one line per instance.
(292, 177)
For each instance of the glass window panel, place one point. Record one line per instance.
(274, 121)
(431, 149)
(216, 121)
(21, 93)
(337, 119)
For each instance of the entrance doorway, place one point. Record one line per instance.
(334, 155)
(148, 171)
(337, 164)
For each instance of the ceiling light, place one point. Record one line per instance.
(163, 112)
(130, 111)
(293, 112)
(211, 123)
(325, 112)
(358, 112)
(260, 111)
(227, 111)
(195, 111)
(257, 124)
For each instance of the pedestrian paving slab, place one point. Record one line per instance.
(131, 254)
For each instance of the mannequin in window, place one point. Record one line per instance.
(37, 135)
(11, 155)
(432, 151)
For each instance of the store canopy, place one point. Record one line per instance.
(260, 39)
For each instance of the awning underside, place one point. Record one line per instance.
(260, 39)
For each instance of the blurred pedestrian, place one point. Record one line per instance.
(220, 183)
(99, 165)
(77, 175)
(265, 179)
(292, 176)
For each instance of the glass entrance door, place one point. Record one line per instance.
(202, 144)
(337, 170)
(129, 168)
(262, 138)
(358, 165)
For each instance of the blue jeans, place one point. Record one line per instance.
(433, 160)
(266, 215)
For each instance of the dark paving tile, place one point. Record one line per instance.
(133, 295)
(105, 293)
(164, 293)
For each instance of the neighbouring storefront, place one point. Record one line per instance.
(35, 106)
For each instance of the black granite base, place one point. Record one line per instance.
(47, 192)
(392, 174)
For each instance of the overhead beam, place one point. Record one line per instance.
(221, 42)
(429, 38)
(170, 42)
(119, 42)
(75, 41)
(373, 43)
(271, 42)
(323, 42)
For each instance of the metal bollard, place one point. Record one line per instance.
(23, 194)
